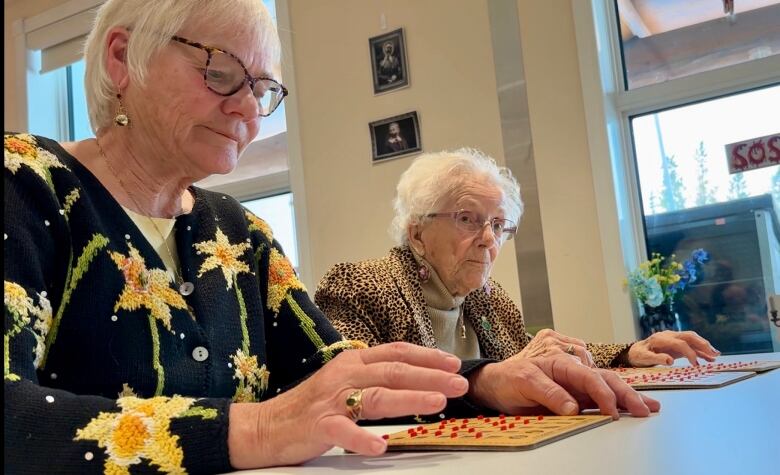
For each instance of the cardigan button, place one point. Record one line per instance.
(200, 354)
(186, 288)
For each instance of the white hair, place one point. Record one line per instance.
(152, 24)
(434, 177)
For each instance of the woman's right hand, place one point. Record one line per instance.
(398, 378)
(559, 383)
(549, 342)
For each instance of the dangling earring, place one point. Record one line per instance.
(121, 119)
(423, 272)
(487, 288)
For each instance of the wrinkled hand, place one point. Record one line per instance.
(399, 379)
(559, 383)
(666, 346)
(549, 342)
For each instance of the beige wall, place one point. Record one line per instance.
(567, 199)
(452, 89)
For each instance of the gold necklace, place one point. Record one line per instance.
(185, 288)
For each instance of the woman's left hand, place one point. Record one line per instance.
(664, 347)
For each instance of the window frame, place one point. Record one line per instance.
(610, 108)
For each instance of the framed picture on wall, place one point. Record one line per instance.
(395, 136)
(388, 61)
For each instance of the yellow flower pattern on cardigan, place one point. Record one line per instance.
(22, 149)
(281, 279)
(141, 431)
(22, 308)
(224, 256)
(257, 224)
(149, 288)
(329, 351)
(252, 380)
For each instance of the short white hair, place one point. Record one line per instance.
(434, 177)
(152, 24)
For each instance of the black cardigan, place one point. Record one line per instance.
(90, 313)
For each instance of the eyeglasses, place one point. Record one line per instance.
(469, 221)
(225, 75)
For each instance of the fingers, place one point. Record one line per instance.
(380, 403)
(397, 375)
(679, 347)
(549, 333)
(548, 342)
(586, 381)
(346, 434)
(700, 345)
(653, 404)
(540, 388)
(626, 396)
(584, 355)
(645, 357)
(411, 354)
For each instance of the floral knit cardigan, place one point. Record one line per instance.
(108, 367)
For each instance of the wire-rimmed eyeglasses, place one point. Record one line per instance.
(225, 74)
(471, 222)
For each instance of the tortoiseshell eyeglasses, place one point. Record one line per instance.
(225, 74)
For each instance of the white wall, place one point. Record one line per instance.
(567, 198)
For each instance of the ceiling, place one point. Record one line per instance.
(643, 18)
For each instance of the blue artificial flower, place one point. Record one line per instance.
(700, 255)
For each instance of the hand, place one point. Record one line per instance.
(398, 378)
(549, 342)
(664, 347)
(559, 383)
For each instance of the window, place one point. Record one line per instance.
(57, 106)
(667, 85)
(690, 201)
(278, 212)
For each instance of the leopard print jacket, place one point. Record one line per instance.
(381, 300)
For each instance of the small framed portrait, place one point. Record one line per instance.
(395, 136)
(388, 61)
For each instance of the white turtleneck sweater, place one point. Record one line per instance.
(444, 311)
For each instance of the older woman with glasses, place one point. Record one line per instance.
(454, 211)
(154, 326)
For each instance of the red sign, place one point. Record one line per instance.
(754, 153)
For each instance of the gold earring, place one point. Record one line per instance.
(121, 119)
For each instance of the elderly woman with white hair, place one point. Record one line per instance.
(454, 211)
(153, 326)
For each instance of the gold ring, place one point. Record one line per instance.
(570, 349)
(355, 404)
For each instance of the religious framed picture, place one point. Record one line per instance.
(388, 61)
(395, 136)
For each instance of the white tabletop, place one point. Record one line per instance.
(730, 430)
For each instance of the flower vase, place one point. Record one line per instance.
(660, 318)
